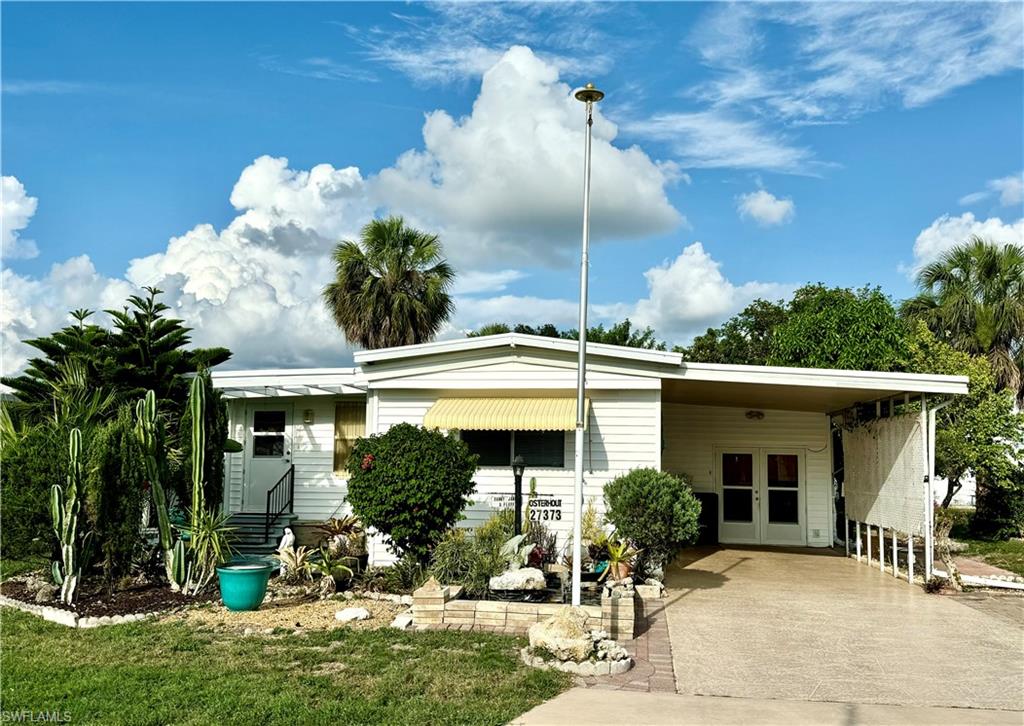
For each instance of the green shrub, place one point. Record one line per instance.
(411, 485)
(472, 557)
(116, 493)
(32, 463)
(656, 510)
(1000, 510)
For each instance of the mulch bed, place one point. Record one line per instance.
(97, 603)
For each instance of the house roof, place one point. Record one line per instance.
(514, 340)
(808, 389)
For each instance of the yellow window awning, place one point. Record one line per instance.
(505, 414)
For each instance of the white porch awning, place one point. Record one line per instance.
(505, 414)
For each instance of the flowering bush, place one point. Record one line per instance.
(411, 485)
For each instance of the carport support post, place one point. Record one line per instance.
(846, 534)
(881, 549)
(895, 556)
(868, 527)
(927, 490)
(910, 558)
(858, 540)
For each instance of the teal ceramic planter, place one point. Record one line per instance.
(243, 585)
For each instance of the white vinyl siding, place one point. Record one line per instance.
(622, 434)
(692, 433)
(319, 493)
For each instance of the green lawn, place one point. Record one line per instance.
(161, 673)
(9, 567)
(1008, 554)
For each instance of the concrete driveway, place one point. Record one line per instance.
(812, 625)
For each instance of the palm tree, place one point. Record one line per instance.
(973, 297)
(391, 287)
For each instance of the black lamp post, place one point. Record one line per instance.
(518, 467)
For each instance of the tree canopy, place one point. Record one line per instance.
(973, 298)
(390, 287)
(622, 333)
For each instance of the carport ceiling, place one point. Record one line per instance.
(769, 396)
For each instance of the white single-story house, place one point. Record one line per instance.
(758, 438)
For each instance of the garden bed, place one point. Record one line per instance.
(291, 616)
(135, 600)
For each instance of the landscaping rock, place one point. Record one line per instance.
(349, 614)
(525, 578)
(46, 593)
(402, 621)
(564, 634)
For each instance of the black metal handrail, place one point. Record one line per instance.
(280, 498)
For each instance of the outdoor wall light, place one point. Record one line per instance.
(307, 416)
(518, 467)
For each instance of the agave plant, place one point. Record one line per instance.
(333, 566)
(344, 535)
(296, 564)
(621, 555)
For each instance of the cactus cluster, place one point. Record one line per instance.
(64, 510)
(147, 430)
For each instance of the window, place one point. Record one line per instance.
(268, 433)
(498, 448)
(349, 425)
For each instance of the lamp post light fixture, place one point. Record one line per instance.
(518, 467)
(589, 96)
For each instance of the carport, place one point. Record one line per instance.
(811, 624)
(762, 446)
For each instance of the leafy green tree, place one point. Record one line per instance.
(973, 298)
(32, 461)
(974, 433)
(87, 370)
(840, 328)
(622, 333)
(744, 339)
(391, 287)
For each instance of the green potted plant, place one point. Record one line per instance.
(621, 558)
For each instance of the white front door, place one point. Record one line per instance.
(739, 485)
(761, 496)
(269, 447)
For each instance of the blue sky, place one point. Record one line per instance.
(742, 150)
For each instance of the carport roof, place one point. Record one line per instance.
(797, 389)
(774, 387)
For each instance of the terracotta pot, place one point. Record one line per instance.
(619, 570)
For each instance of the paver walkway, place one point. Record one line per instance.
(651, 653)
(811, 625)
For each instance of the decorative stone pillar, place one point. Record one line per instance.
(428, 603)
(618, 613)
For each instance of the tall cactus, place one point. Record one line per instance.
(197, 407)
(64, 509)
(146, 429)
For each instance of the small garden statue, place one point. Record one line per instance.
(287, 543)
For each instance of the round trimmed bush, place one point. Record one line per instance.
(656, 510)
(411, 485)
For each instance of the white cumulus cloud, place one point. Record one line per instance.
(948, 231)
(16, 210)
(687, 294)
(765, 208)
(505, 182)
(501, 187)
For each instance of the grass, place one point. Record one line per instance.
(9, 567)
(160, 673)
(1008, 554)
